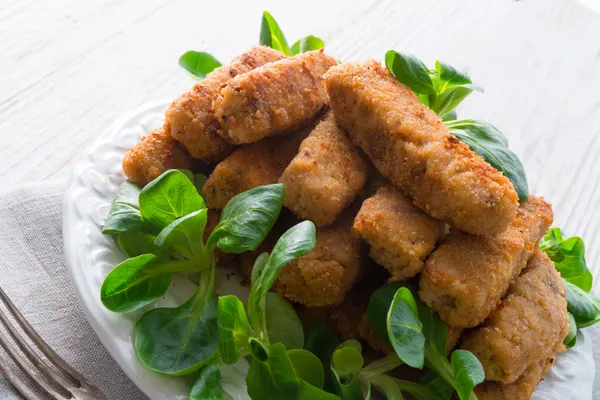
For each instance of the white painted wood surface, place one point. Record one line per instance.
(69, 68)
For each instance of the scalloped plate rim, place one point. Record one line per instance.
(160, 387)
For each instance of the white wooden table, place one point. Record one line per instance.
(68, 68)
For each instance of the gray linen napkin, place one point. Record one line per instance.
(34, 275)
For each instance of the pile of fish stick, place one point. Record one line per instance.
(394, 197)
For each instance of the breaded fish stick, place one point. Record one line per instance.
(531, 319)
(400, 235)
(410, 146)
(250, 166)
(325, 176)
(349, 319)
(273, 99)
(522, 388)
(344, 319)
(464, 278)
(190, 119)
(154, 154)
(324, 275)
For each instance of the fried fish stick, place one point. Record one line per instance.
(250, 166)
(531, 319)
(190, 120)
(273, 99)
(324, 275)
(349, 319)
(400, 235)
(464, 278)
(410, 146)
(522, 388)
(344, 319)
(154, 154)
(325, 176)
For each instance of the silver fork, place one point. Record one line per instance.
(68, 385)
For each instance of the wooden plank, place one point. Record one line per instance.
(69, 68)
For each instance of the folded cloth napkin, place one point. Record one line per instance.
(33, 273)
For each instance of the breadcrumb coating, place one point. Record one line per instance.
(325, 176)
(190, 119)
(411, 147)
(324, 275)
(273, 99)
(465, 277)
(522, 388)
(487, 271)
(531, 319)
(250, 166)
(344, 319)
(400, 235)
(154, 154)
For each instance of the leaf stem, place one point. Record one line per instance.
(388, 363)
(255, 320)
(258, 318)
(183, 267)
(206, 286)
(415, 389)
(440, 365)
(383, 383)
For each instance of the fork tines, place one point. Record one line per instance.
(62, 385)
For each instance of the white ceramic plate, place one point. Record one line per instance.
(91, 255)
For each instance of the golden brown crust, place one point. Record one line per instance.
(256, 57)
(345, 318)
(522, 388)
(190, 120)
(325, 176)
(324, 275)
(465, 277)
(154, 154)
(531, 319)
(411, 147)
(250, 166)
(349, 320)
(273, 99)
(453, 337)
(400, 235)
